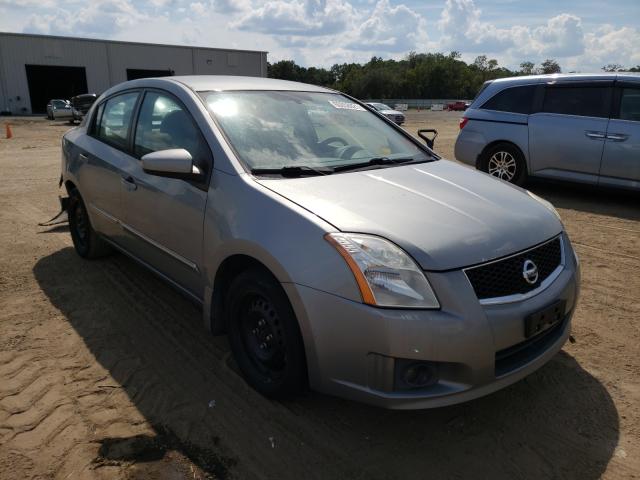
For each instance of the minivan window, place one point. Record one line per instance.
(164, 124)
(514, 99)
(587, 101)
(630, 104)
(279, 129)
(116, 119)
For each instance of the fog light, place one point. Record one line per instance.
(412, 374)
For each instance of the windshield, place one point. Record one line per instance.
(59, 103)
(285, 129)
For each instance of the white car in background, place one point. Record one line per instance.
(387, 111)
(58, 108)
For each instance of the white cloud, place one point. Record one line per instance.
(98, 18)
(562, 36)
(390, 29)
(303, 18)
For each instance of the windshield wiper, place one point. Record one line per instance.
(293, 171)
(375, 161)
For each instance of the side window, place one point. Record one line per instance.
(577, 100)
(164, 124)
(630, 104)
(113, 124)
(514, 99)
(95, 124)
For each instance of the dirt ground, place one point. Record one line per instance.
(106, 372)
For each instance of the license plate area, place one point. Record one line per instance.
(544, 319)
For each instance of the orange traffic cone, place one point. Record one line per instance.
(8, 131)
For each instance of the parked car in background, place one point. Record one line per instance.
(58, 108)
(81, 104)
(334, 249)
(583, 128)
(387, 111)
(457, 106)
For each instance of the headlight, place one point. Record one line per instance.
(546, 203)
(386, 275)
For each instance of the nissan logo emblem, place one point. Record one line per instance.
(530, 272)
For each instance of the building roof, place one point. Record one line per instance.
(123, 42)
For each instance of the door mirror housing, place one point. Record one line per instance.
(169, 163)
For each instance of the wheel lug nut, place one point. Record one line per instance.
(269, 337)
(261, 322)
(263, 346)
(254, 331)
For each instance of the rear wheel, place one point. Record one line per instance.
(264, 335)
(86, 241)
(505, 161)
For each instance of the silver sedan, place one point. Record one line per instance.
(58, 108)
(335, 250)
(393, 115)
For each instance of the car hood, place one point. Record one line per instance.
(445, 215)
(391, 112)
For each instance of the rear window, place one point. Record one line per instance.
(588, 101)
(630, 104)
(514, 99)
(113, 127)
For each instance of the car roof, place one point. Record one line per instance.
(201, 83)
(565, 77)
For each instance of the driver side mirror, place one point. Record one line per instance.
(169, 163)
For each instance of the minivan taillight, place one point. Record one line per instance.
(463, 122)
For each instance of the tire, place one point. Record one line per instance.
(264, 335)
(86, 241)
(505, 161)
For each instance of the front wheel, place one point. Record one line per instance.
(264, 335)
(506, 162)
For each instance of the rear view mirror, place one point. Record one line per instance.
(175, 161)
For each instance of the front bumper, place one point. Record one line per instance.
(351, 347)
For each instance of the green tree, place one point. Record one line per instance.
(550, 66)
(527, 68)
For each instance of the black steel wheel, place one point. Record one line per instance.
(86, 241)
(264, 335)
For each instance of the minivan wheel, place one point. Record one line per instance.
(86, 241)
(505, 161)
(264, 335)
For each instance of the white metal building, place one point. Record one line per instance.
(37, 68)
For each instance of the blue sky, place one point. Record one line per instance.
(581, 35)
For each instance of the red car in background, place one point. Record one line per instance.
(457, 106)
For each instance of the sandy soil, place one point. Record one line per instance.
(105, 372)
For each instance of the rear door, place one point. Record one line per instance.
(164, 216)
(567, 132)
(103, 156)
(621, 157)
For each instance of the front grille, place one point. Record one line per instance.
(504, 277)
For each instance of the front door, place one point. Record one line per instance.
(164, 216)
(567, 133)
(621, 157)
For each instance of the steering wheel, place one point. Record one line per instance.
(328, 141)
(348, 151)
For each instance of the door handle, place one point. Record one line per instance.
(617, 137)
(594, 135)
(129, 183)
(83, 157)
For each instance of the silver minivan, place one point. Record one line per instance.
(334, 249)
(583, 128)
